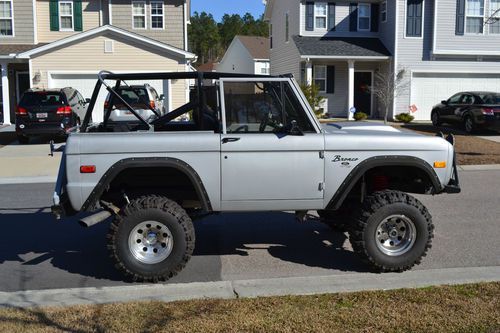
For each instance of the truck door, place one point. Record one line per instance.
(271, 147)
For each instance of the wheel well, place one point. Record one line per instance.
(410, 179)
(167, 181)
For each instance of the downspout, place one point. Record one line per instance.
(396, 54)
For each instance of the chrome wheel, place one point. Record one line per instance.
(150, 242)
(395, 235)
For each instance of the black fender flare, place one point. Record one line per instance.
(142, 162)
(379, 161)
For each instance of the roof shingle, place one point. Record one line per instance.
(6, 49)
(341, 46)
(257, 46)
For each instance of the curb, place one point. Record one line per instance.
(479, 167)
(251, 288)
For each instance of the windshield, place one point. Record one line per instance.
(490, 98)
(42, 98)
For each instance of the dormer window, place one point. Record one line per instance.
(320, 15)
(6, 19)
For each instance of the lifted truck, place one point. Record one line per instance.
(253, 144)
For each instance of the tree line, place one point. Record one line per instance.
(210, 39)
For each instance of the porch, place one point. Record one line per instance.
(345, 70)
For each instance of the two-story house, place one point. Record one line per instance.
(444, 46)
(59, 43)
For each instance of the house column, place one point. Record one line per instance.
(5, 93)
(309, 72)
(350, 89)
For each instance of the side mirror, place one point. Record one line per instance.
(444, 102)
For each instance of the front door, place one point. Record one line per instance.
(363, 92)
(264, 163)
(23, 84)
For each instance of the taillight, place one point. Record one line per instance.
(66, 110)
(152, 104)
(488, 111)
(87, 169)
(21, 111)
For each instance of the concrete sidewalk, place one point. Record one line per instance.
(251, 288)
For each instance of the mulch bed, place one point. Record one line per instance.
(470, 149)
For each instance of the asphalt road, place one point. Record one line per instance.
(37, 252)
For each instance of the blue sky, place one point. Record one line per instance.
(220, 7)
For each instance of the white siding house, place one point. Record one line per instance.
(246, 54)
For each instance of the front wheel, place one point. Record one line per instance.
(152, 240)
(392, 231)
(469, 125)
(436, 120)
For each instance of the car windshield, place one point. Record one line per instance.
(42, 98)
(491, 98)
(134, 95)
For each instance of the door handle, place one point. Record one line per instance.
(226, 140)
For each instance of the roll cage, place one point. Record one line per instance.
(197, 104)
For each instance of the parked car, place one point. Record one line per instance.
(474, 110)
(49, 111)
(142, 98)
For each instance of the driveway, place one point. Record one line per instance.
(39, 253)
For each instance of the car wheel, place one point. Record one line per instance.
(24, 140)
(152, 240)
(392, 232)
(469, 125)
(436, 121)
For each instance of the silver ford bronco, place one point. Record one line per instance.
(252, 143)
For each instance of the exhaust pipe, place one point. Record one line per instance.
(92, 220)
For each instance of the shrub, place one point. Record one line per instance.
(313, 97)
(358, 116)
(404, 118)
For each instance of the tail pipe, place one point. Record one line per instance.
(94, 219)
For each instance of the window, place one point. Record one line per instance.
(157, 15)
(383, 11)
(263, 107)
(66, 15)
(320, 13)
(495, 17)
(6, 19)
(287, 28)
(414, 18)
(474, 13)
(364, 16)
(455, 99)
(320, 77)
(271, 36)
(139, 14)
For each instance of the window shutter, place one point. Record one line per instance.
(77, 7)
(330, 79)
(54, 15)
(331, 16)
(353, 17)
(309, 16)
(375, 16)
(460, 18)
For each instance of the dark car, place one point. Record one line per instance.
(473, 110)
(50, 112)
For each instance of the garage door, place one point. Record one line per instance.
(428, 89)
(85, 84)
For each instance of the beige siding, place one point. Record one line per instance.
(23, 23)
(90, 20)
(89, 56)
(173, 33)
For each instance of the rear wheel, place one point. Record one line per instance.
(24, 140)
(152, 240)
(392, 232)
(469, 125)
